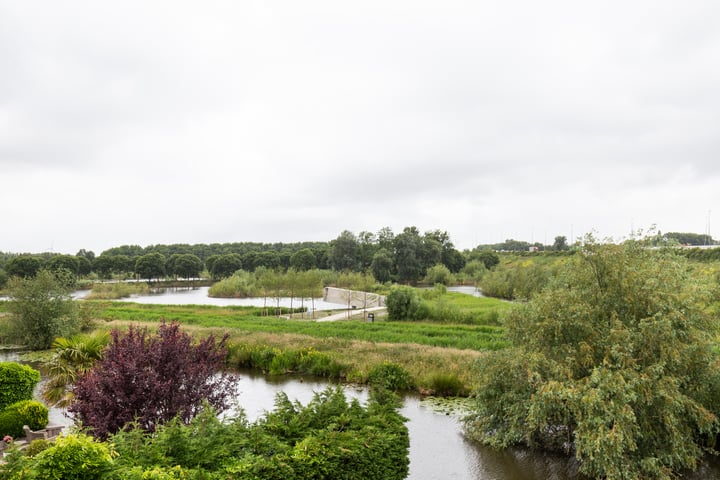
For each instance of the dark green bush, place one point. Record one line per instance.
(329, 438)
(26, 412)
(403, 303)
(17, 382)
(391, 377)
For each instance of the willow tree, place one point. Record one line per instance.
(613, 362)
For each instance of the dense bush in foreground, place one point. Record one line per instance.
(329, 438)
(25, 412)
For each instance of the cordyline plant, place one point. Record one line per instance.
(151, 379)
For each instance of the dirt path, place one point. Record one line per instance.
(356, 312)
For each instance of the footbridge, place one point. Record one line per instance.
(353, 298)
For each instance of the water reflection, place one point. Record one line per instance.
(199, 296)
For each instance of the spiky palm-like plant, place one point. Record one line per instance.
(73, 357)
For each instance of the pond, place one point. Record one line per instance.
(199, 296)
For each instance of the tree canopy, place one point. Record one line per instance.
(41, 309)
(614, 362)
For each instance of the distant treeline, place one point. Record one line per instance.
(405, 257)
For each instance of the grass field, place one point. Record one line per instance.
(246, 320)
(435, 354)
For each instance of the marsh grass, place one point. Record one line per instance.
(334, 358)
(116, 290)
(248, 320)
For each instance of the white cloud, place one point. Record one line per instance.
(168, 122)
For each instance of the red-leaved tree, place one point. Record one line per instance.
(152, 379)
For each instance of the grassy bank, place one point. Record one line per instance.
(245, 320)
(438, 370)
(438, 356)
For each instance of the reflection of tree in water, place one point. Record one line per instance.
(523, 464)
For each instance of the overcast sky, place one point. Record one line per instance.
(145, 122)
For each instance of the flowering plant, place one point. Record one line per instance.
(7, 439)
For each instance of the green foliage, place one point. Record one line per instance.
(344, 251)
(381, 266)
(240, 284)
(615, 362)
(278, 362)
(150, 266)
(15, 465)
(37, 446)
(17, 382)
(403, 303)
(519, 281)
(447, 385)
(489, 258)
(184, 265)
(73, 357)
(225, 265)
(475, 270)
(155, 473)
(328, 438)
(63, 262)
(439, 274)
(391, 377)
(686, 238)
(116, 290)
(76, 456)
(24, 266)
(303, 260)
(560, 244)
(25, 412)
(41, 309)
(266, 283)
(702, 254)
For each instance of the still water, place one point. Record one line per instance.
(199, 296)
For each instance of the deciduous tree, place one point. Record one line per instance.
(303, 260)
(24, 266)
(150, 266)
(226, 265)
(188, 265)
(344, 251)
(614, 362)
(41, 310)
(381, 266)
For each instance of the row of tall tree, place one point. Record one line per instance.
(404, 257)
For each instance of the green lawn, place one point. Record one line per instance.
(245, 319)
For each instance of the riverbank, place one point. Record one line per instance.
(434, 370)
